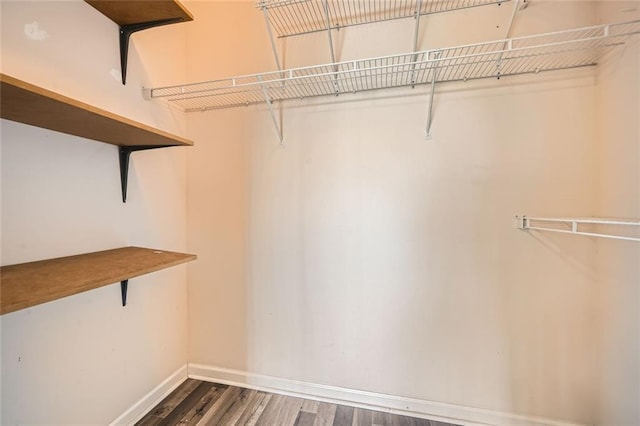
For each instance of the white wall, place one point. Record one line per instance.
(619, 196)
(221, 42)
(85, 359)
(367, 257)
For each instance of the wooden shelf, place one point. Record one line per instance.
(136, 15)
(29, 284)
(136, 11)
(25, 103)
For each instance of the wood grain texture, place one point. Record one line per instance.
(239, 406)
(305, 419)
(362, 417)
(29, 284)
(344, 415)
(246, 407)
(310, 406)
(221, 407)
(185, 406)
(168, 404)
(124, 12)
(198, 411)
(271, 411)
(25, 103)
(325, 414)
(254, 411)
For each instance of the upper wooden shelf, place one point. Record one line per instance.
(29, 284)
(135, 12)
(136, 15)
(25, 103)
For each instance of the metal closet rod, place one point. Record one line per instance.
(525, 223)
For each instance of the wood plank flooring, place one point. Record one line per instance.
(195, 402)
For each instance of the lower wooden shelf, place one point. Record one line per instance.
(29, 284)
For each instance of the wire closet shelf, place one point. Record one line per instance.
(295, 17)
(530, 54)
(628, 230)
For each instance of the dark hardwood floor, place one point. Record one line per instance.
(196, 402)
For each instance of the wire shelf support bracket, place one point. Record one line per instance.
(416, 32)
(327, 17)
(270, 33)
(331, 50)
(272, 113)
(434, 78)
(573, 226)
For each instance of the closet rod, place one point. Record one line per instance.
(525, 223)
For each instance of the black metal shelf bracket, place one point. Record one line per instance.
(125, 33)
(123, 289)
(124, 152)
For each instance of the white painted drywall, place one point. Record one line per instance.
(619, 196)
(364, 256)
(85, 359)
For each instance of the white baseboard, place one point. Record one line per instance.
(153, 398)
(451, 413)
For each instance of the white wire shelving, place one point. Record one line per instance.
(296, 17)
(630, 229)
(530, 54)
(288, 18)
